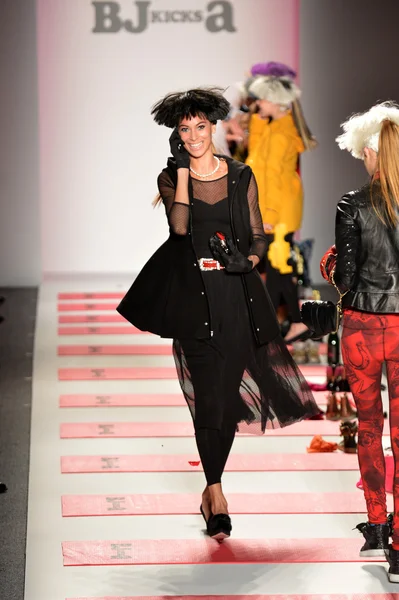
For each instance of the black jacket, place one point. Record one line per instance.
(168, 297)
(368, 254)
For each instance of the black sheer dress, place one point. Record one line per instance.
(229, 381)
(217, 365)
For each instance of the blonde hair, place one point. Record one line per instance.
(157, 200)
(308, 139)
(385, 200)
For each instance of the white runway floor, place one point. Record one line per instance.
(48, 579)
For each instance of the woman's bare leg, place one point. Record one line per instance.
(218, 500)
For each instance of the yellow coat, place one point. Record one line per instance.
(273, 156)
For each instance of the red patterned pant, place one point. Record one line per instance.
(369, 340)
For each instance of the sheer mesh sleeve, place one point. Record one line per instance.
(259, 239)
(176, 212)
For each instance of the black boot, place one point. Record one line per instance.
(348, 431)
(3, 488)
(392, 557)
(377, 539)
(219, 527)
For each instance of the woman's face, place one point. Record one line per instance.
(267, 109)
(196, 134)
(370, 160)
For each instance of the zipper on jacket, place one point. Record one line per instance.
(255, 332)
(231, 215)
(195, 254)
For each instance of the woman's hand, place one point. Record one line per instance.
(255, 260)
(267, 227)
(232, 259)
(328, 262)
(178, 151)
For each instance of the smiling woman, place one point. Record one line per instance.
(196, 135)
(189, 129)
(201, 289)
(194, 115)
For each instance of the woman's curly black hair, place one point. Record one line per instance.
(199, 102)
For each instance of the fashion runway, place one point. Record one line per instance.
(115, 480)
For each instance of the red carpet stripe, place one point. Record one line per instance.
(182, 463)
(187, 504)
(93, 400)
(125, 430)
(123, 373)
(107, 318)
(90, 295)
(73, 306)
(142, 400)
(181, 429)
(120, 350)
(83, 374)
(99, 330)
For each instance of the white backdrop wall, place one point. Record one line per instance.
(100, 150)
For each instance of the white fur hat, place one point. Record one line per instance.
(363, 130)
(278, 90)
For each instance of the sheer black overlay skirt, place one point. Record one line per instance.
(231, 381)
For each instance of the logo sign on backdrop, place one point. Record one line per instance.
(217, 16)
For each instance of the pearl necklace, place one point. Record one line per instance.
(207, 174)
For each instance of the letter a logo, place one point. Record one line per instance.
(222, 20)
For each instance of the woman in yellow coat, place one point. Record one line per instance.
(278, 135)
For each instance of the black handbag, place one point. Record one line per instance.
(322, 317)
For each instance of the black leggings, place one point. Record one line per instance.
(211, 371)
(214, 448)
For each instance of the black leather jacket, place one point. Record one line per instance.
(368, 254)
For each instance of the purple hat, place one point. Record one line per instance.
(275, 69)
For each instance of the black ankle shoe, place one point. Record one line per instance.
(3, 488)
(377, 539)
(219, 527)
(203, 514)
(392, 557)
